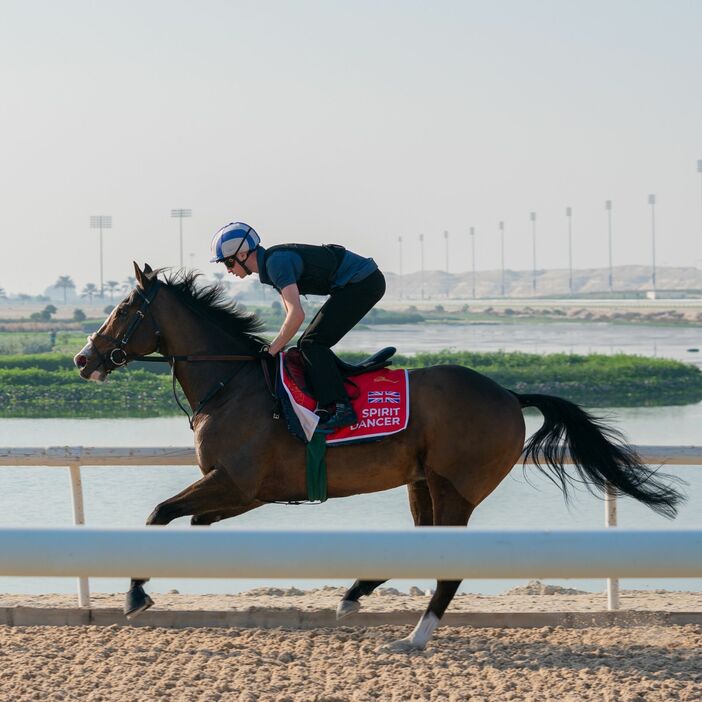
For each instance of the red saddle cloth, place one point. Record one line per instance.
(379, 397)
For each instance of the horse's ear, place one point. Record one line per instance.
(144, 278)
(137, 272)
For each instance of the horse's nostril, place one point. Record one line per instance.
(81, 361)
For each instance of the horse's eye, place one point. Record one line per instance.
(121, 312)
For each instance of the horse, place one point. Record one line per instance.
(464, 435)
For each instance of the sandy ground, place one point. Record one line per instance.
(248, 665)
(612, 664)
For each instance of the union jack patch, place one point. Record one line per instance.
(376, 397)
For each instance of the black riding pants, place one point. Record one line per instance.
(344, 308)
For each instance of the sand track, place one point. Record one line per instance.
(127, 664)
(101, 664)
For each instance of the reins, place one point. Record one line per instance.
(218, 386)
(195, 358)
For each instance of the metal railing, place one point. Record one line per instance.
(76, 457)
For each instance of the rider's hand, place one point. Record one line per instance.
(264, 353)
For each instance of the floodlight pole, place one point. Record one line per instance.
(472, 247)
(608, 207)
(446, 238)
(101, 222)
(399, 241)
(447, 249)
(180, 215)
(652, 202)
(502, 256)
(532, 217)
(569, 215)
(421, 258)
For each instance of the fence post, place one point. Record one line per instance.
(611, 521)
(79, 518)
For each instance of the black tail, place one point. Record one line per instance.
(600, 455)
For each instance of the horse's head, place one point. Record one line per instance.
(123, 336)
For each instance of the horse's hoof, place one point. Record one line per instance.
(137, 602)
(401, 646)
(347, 607)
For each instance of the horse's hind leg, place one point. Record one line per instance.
(450, 509)
(212, 493)
(423, 515)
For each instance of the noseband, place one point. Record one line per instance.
(117, 356)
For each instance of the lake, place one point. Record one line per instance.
(124, 496)
(534, 337)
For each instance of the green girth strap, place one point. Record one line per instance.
(317, 468)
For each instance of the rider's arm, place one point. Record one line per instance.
(294, 317)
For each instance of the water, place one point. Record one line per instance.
(124, 496)
(536, 337)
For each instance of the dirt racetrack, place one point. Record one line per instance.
(330, 665)
(645, 663)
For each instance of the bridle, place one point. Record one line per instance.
(118, 356)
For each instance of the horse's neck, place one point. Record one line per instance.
(186, 334)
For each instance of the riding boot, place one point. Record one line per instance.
(344, 416)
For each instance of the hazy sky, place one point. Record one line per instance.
(351, 122)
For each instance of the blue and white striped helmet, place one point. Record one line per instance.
(234, 238)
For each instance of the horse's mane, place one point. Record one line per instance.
(214, 302)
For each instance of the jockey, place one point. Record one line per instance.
(354, 284)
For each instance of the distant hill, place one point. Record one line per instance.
(587, 281)
(438, 284)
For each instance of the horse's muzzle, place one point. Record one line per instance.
(87, 361)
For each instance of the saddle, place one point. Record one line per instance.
(295, 366)
(380, 359)
(380, 398)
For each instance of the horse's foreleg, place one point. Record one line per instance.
(423, 515)
(211, 494)
(450, 509)
(207, 518)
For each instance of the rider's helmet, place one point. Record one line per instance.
(233, 238)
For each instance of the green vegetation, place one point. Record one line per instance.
(47, 385)
(594, 380)
(40, 342)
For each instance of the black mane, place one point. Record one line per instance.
(214, 302)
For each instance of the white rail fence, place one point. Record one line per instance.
(423, 552)
(476, 554)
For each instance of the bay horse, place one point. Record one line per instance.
(465, 431)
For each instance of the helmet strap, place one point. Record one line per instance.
(243, 263)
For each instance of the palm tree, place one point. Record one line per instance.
(3, 294)
(112, 285)
(89, 291)
(129, 283)
(65, 282)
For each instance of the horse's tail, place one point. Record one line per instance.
(599, 452)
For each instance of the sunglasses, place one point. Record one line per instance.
(230, 262)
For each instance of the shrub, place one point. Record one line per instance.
(48, 385)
